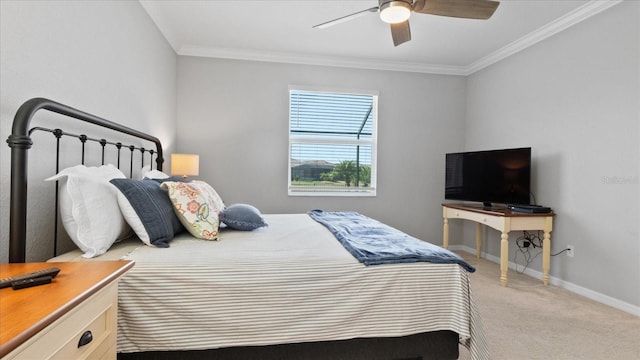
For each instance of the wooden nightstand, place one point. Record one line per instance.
(47, 321)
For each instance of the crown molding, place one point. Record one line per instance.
(580, 14)
(161, 22)
(302, 59)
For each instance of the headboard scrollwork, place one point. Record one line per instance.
(20, 141)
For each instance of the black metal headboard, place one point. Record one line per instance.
(20, 141)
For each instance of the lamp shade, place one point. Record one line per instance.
(185, 164)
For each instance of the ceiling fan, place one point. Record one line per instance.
(397, 13)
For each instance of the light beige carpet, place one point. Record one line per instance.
(527, 320)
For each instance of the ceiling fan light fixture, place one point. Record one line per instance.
(394, 12)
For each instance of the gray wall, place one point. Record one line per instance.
(106, 58)
(235, 115)
(574, 98)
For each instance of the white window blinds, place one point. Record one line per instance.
(332, 143)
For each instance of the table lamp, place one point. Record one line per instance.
(185, 165)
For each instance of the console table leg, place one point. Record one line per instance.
(546, 257)
(504, 258)
(445, 234)
(478, 239)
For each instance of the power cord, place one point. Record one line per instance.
(525, 243)
(560, 252)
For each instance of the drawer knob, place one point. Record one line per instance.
(85, 339)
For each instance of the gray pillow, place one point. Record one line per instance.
(242, 217)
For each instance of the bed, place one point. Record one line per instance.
(289, 290)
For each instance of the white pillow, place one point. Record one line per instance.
(146, 172)
(89, 208)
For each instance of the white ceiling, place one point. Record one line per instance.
(282, 31)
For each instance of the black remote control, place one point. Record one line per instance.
(52, 272)
(26, 283)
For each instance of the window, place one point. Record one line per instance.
(332, 142)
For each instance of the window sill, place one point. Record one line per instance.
(351, 193)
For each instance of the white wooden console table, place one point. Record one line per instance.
(503, 220)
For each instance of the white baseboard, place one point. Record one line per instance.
(588, 293)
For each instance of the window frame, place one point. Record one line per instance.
(369, 191)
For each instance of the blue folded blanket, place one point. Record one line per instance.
(372, 242)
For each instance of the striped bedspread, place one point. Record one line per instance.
(290, 282)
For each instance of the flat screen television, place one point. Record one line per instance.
(492, 176)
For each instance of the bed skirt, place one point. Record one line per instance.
(436, 345)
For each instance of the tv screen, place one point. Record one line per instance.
(493, 176)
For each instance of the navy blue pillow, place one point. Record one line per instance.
(242, 217)
(152, 218)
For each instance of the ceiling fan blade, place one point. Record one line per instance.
(468, 9)
(345, 18)
(400, 32)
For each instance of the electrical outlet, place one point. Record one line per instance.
(570, 250)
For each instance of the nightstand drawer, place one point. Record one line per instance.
(98, 314)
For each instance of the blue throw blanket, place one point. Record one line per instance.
(374, 243)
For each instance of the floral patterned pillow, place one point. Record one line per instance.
(198, 207)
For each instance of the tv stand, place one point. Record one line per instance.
(503, 220)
